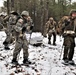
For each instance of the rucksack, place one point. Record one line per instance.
(13, 19)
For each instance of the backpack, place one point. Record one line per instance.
(13, 19)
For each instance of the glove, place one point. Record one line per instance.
(31, 27)
(28, 28)
(23, 29)
(64, 35)
(21, 35)
(45, 36)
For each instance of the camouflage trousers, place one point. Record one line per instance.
(21, 44)
(69, 45)
(9, 39)
(50, 33)
(10, 35)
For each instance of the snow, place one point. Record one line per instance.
(48, 59)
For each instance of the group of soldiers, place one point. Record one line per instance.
(17, 25)
(15, 30)
(66, 27)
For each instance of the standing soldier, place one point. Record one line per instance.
(21, 41)
(69, 35)
(50, 27)
(62, 22)
(10, 32)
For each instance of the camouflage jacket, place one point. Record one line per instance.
(50, 26)
(21, 27)
(70, 29)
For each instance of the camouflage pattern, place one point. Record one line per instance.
(10, 32)
(69, 34)
(61, 24)
(25, 13)
(1, 22)
(50, 29)
(72, 11)
(21, 41)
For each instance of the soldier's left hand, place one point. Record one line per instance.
(31, 27)
(45, 36)
(21, 35)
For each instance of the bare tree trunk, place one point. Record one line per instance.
(47, 9)
(12, 4)
(34, 12)
(8, 9)
(42, 16)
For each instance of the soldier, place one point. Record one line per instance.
(21, 41)
(10, 32)
(50, 28)
(62, 22)
(69, 35)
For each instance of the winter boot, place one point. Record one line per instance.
(26, 61)
(14, 61)
(71, 62)
(65, 62)
(49, 42)
(5, 43)
(6, 48)
(54, 43)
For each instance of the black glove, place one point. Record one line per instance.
(64, 34)
(73, 35)
(31, 27)
(45, 36)
(23, 29)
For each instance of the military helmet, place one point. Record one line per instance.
(14, 13)
(72, 11)
(51, 19)
(25, 13)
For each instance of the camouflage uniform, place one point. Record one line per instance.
(1, 22)
(10, 32)
(51, 30)
(61, 24)
(21, 41)
(69, 40)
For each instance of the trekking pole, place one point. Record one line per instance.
(61, 52)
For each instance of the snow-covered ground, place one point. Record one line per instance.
(48, 59)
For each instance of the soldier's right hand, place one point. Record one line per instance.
(64, 35)
(21, 35)
(45, 36)
(31, 27)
